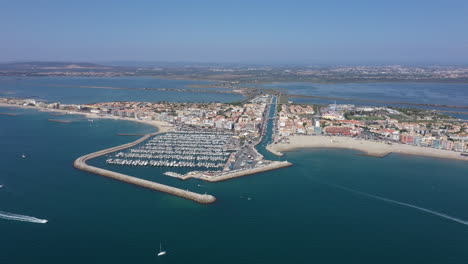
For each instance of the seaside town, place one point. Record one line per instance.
(406, 125)
(213, 137)
(217, 141)
(410, 126)
(245, 122)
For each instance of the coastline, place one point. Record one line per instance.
(161, 126)
(369, 148)
(80, 163)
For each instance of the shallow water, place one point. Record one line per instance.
(58, 89)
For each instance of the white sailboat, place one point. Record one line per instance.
(161, 252)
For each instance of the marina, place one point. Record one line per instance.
(80, 163)
(183, 148)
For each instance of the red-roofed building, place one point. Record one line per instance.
(346, 131)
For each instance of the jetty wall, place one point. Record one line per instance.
(277, 153)
(80, 163)
(235, 174)
(59, 121)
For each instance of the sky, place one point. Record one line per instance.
(397, 31)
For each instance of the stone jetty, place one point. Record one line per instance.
(80, 163)
(59, 121)
(223, 176)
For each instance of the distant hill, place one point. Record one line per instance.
(38, 66)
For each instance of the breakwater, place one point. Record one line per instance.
(59, 121)
(235, 174)
(80, 163)
(223, 176)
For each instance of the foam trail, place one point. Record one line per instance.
(22, 218)
(442, 215)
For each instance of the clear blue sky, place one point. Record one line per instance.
(235, 31)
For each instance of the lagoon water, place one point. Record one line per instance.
(298, 214)
(454, 94)
(64, 90)
(421, 93)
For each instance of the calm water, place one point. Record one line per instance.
(293, 217)
(56, 89)
(421, 93)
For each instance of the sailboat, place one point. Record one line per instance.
(161, 252)
(23, 156)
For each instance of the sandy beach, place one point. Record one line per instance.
(162, 126)
(370, 148)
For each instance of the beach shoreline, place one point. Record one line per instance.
(368, 148)
(161, 126)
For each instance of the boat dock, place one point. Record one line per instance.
(80, 163)
(180, 149)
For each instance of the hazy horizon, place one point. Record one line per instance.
(130, 63)
(214, 32)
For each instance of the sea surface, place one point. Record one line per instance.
(299, 214)
(65, 90)
(331, 206)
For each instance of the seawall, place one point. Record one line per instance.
(235, 174)
(80, 163)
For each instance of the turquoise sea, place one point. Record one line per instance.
(317, 211)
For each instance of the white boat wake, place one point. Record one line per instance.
(442, 215)
(22, 218)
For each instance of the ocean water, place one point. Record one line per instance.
(300, 214)
(60, 89)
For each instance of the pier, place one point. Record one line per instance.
(80, 163)
(180, 149)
